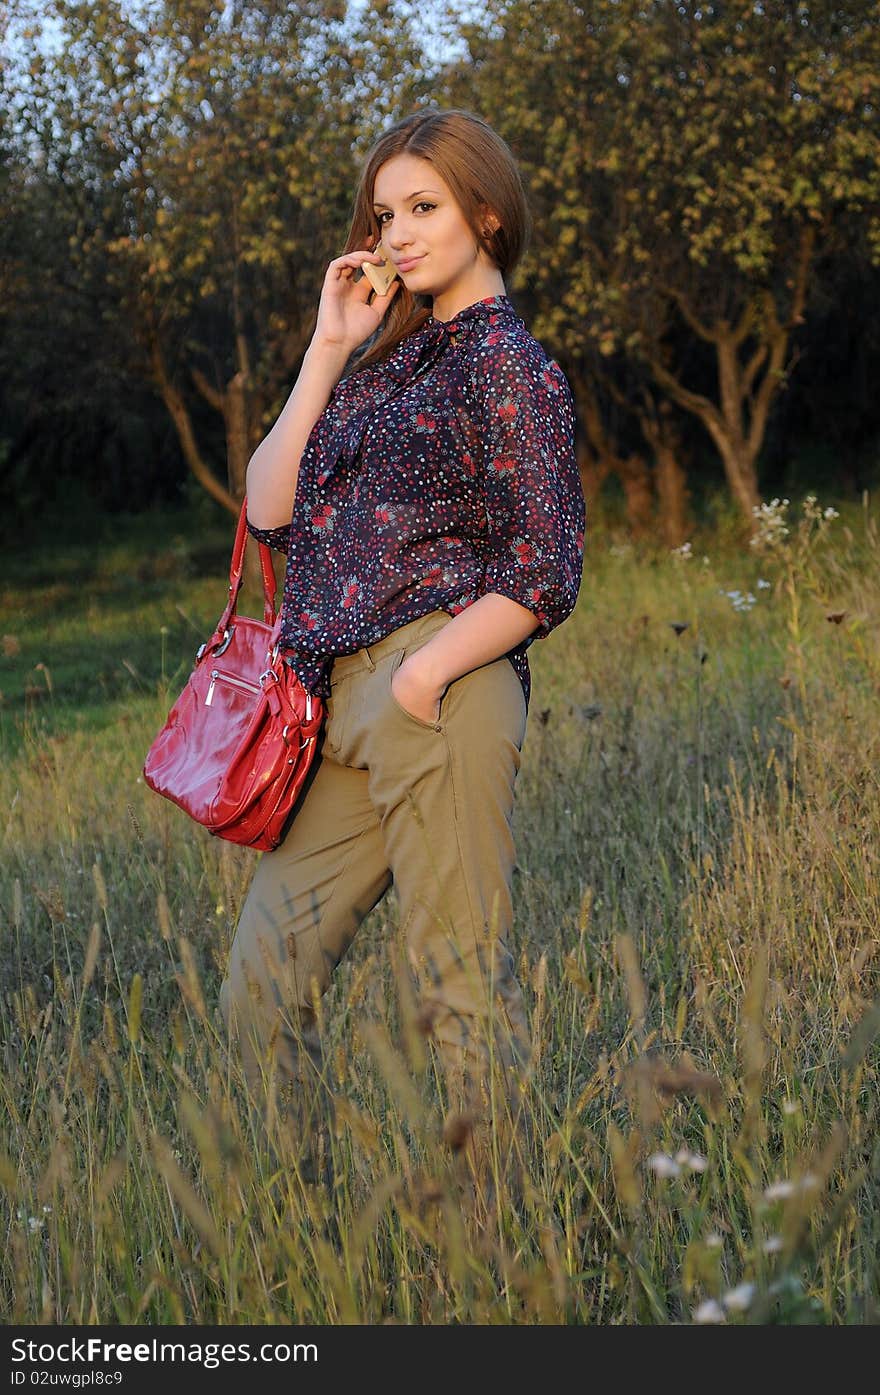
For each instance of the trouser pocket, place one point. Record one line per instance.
(337, 707)
(402, 713)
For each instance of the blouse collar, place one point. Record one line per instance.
(434, 338)
(487, 309)
(432, 342)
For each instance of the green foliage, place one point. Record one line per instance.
(688, 166)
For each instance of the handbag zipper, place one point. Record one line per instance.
(230, 678)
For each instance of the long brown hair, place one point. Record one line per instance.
(479, 168)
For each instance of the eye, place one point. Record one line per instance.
(423, 203)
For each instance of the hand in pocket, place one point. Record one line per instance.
(411, 692)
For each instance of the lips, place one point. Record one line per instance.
(407, 263)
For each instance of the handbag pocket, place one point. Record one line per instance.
(230, 680)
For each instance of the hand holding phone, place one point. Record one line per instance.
(346, 316)
(380, 277)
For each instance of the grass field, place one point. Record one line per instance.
(697, 935)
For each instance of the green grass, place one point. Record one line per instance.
(697, 911)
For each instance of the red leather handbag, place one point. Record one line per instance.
(238, 742)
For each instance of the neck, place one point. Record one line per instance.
(448, 303)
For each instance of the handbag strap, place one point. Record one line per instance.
(236, 568)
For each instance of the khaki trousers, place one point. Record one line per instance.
(390, 797)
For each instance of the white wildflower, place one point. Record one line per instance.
(779, 1191)
(739, 1298)
(713, 1240)
(694, 1162)
(790, 1107)
(762, 584)
(684, 552)
(33, 1223)
(771, 524)
(663, 1165)
(710, 1311)
(831, 513)
(738, 600)
(772, 1245)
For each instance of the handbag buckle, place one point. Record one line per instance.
(227, 640)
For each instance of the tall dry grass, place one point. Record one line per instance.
(697, 913)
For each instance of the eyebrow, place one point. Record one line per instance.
(408, 197)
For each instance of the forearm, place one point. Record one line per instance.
(274, 466)
(479, 634)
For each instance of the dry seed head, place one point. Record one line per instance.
(424, 1019)
(457, 1129)
(134, 823)
(135, 1001)
(100, 885)
(164, 916)
(628, 958)
(189, 981)
(678, 1079)
(110, 1028)
(92, 948)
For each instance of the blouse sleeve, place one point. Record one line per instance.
(273, 537)
(321, 446)
(536, 512)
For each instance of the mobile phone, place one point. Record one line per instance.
(379, 277)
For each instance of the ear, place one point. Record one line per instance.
(490, 222)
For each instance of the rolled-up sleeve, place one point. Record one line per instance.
(278, 538)
(535, 507)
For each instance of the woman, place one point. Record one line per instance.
(430, 506)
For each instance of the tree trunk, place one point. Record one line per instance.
(659, 430)
(748, 377)
(672, 495)
(236, 414)
(593, 473)
(179, 413)
(638, 487)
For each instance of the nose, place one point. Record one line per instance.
(398, 237)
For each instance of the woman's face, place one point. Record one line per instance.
(420, 219)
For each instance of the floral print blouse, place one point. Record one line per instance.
(440, 474)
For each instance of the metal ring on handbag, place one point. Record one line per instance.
(227, 639)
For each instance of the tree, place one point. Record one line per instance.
(212, 150)
(688, 164)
